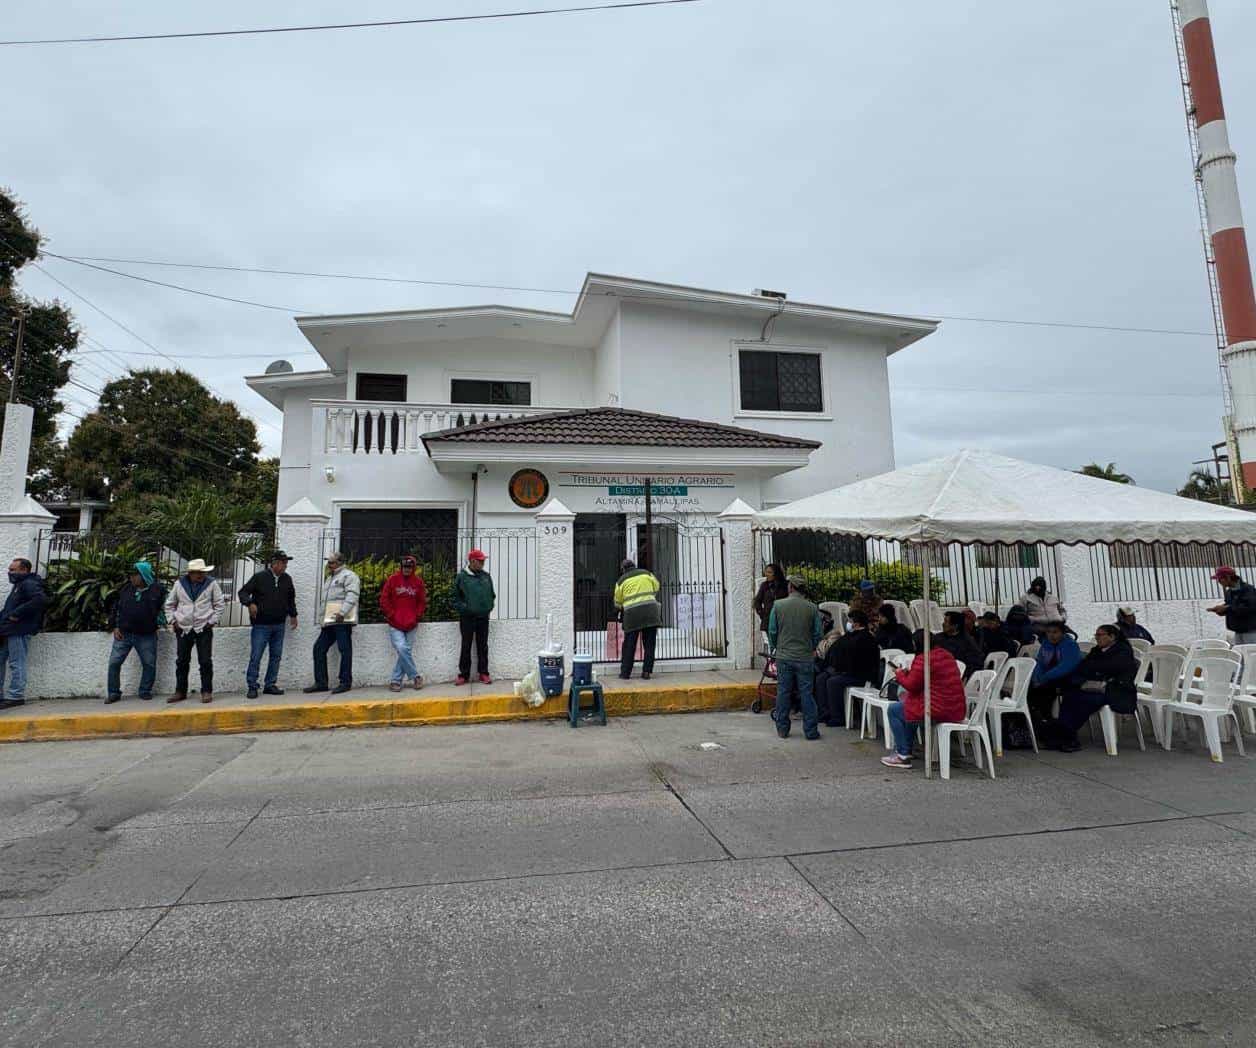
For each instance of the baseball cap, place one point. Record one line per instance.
(476, 554)
(867, 584)
(1224, 572)
(1125, 609)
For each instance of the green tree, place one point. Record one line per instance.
(1108, 472)
(50, 338)
(1204, 486)
(159, 432)
(201, 521)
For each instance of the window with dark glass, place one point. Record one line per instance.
(381, 387)
(772, 381)
(484, 391)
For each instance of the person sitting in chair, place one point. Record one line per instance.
(992, 637)
(1129, 627)
(852, 661)
(955, 640)
(1058, 657)
(890, 632)
(1105, 677)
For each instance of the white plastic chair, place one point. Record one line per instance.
(918, 614)
(1208, 696)
(1086, 645)
(838, 611)
(872, 699)
(1020, 671)
(1245, 700)
(1208, 644)
(868, 694)
(1177, 649)
(1140, 646)
(978, 691)
(1107, 721)
(1158, 681)
(1029, 651)
(995, 660)
(978, 608)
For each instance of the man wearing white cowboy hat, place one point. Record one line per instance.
(193, 609)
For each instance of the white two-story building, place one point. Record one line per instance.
(422, 419)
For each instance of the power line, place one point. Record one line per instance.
(498, 16)
(472, 285)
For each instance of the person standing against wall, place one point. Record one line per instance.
(20, 619)
(403, 600)
(473, 599)
(341, 590)
(135, 617)
(637, 597)
(793, 633)
(271, 598)
(193, 608)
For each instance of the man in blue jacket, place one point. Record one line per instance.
(1058, 657)
(135, 617)
(20, 619)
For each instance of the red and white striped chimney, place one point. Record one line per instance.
(1225, 227)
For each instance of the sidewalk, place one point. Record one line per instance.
(444, 703)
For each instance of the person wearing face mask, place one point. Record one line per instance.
(1042, 606)
(20, 619)
(403, 601)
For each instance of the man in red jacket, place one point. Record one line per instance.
(946, 701)
(403, 601)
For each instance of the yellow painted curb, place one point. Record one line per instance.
(211, 720)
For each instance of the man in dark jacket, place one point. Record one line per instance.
(955, 640)
(992, 637)
(271, 598)
(853, 660)
(473, 599)
(793, 633)
(20, 619)
(1105, 677)
(891, 633)
(134, 617)
(1239, 608)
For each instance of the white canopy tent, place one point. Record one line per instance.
(979, 497)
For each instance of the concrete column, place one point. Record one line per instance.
(740, 572)
(556, 570)
(299, 533)
(15, 453)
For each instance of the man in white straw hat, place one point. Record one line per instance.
(193, 609)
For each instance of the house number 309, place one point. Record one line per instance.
(555, 529)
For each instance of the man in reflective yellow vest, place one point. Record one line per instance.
(637, 597)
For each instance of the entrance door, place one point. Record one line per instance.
(599, 544)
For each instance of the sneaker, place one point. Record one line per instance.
(340, 689)
(112, 699)
(485, 679)
(813, 736)
(314, 688)
(782, 733)
(252, 693)
(178, 696)
(418, 683)
(646, 676)
(625, 676)
(896, 761)
(207, 696)
(270, 689)
(394, 685)
(147, 698)
(461, 680)
(9, 704)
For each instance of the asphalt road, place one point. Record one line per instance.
(526, 884)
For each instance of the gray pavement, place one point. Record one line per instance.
(526, 884)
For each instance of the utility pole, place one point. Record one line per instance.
(17, 356)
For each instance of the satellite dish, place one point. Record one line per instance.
(279, 367)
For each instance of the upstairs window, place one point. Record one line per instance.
(381, 387)
(484, 391)
(774, 381)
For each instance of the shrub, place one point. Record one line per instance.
(374, 571)
(82, 586)
(895, 581)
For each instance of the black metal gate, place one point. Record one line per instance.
(689, 564)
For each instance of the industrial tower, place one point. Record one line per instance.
(1225, 243)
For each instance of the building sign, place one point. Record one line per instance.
(529, 488)
(639, 489)
(669, 492)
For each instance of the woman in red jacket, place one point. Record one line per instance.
(403, 601)
(947, 701)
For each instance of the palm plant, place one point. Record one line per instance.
(1205, 487)
(1108, 472)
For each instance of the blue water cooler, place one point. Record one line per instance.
(552, 669)
(581, 668)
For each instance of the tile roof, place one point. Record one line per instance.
(616, 426)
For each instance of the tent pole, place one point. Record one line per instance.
(925, 570)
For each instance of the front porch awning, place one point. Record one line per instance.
(615, 436)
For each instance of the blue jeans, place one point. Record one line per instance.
(145, 645)
(403, 644)
(342, 636)
(797, 677)
(903, 729)
(262, 637)
(13, 656)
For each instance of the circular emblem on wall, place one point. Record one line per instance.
(529, 488)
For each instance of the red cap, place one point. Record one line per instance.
(1224, 572)
(476, 554)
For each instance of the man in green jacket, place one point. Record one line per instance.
(793, 633)
(473, 600)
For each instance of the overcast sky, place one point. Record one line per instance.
(1020, 161)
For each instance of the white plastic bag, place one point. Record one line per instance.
(529, 689)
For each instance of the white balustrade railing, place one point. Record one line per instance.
(362, 427)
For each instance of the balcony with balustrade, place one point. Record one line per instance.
(361, 427)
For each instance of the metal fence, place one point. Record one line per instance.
(90, 567)
(689, 564)
(833, 565)
(375, 553)
(1150, 571)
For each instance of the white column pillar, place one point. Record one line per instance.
(15, 452)
(299, 533)
(555, 527)
(740, 572)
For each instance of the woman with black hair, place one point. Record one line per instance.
(771, 589)
(891, 633)
(1105, 677)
